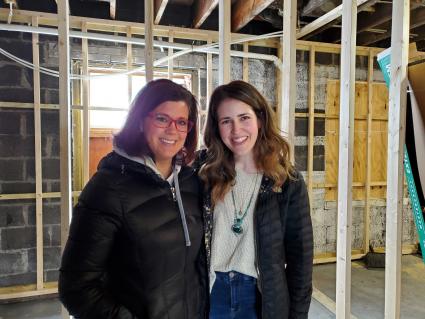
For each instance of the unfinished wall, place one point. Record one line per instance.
(17, 217)
(17, 168)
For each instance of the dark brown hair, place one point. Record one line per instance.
(132, 140)
(271, 150)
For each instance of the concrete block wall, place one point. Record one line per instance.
(17, 167)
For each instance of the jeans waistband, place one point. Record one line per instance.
(234, 276)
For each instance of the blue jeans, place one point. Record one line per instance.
(233, 296)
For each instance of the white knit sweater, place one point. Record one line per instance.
(230, 251)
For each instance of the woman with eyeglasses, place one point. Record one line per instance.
(135, 242)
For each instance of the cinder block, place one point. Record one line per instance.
(49, 96)
(319, 234)
(19, 279)
(331, 234)
(50, 122)
(51, 213)
(16, 94)
(16, 146)
(11, 170)
(51, 275)
(12, 263)
(51, 235)
(52, 257)
(48, 81)
(51, 168)
(17, 187)
(9, 122)
(319, 127)
(11, 75)
(11, 215)
(18, 238)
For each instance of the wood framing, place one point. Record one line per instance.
(209, 76)
(203, 9)
(148, 41)
(286, 117)
(170, 53)
(366, 216)
(245, 65)
(64, 120)
(224, 42)
(86, 102)
(38, 160)
(243, 11)
(129, 67)
(159, 8)
(310, 156)
(395, 171)
(324, 20)
(345, 162)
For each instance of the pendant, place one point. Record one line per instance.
(237, 226)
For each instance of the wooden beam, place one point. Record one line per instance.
(366, 216)
(311, 87)
(65, 119)
(395, 171)
(417, 19)
(286, 117)
(203, 9)
(170, 53)
(148, 41)
(38, 158)
(209, 76)
(224, 42)
(326, 19)
(245, 64)
(159, 8)
(86, 102)
(243, 11)
(345, 162)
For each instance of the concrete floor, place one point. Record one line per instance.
(367, 294)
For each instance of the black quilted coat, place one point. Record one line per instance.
(126, 255)
(284, 248)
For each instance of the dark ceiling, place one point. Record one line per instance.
(248, 16)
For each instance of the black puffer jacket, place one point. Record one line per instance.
(126, 255)
(284, 248)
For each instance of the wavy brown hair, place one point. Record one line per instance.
(271, 150)
(154, 93)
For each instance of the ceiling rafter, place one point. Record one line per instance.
(243, 11)
(417, 19)
(203, 9)
(159, 8)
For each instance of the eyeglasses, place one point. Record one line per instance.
(164, 121)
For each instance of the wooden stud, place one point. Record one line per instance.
(38, 160)
(286, 116)
(149, 40)
(159, 8)
(245, 64)
(366, 219)
(65, 122)
(77, 120)
(311, 93)
(86, 102)
(279, 84)
(224, 42)
(129, 67)
(209, 77)
(203, 9)
(345, 166)
(170, 53)
(395, 171)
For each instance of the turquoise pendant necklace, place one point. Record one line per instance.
(239, 217)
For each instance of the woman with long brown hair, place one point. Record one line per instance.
(258, 227)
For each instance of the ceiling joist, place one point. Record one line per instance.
(159, 8)
(203, 9)
(243, 11)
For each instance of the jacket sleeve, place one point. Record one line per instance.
(299, 250)
(95, 222)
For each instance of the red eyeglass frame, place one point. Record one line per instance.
(190, 124)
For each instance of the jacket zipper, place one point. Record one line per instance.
(257, 259)
(173, 192)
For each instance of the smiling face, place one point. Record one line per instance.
(238, 126)
(166, 142)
